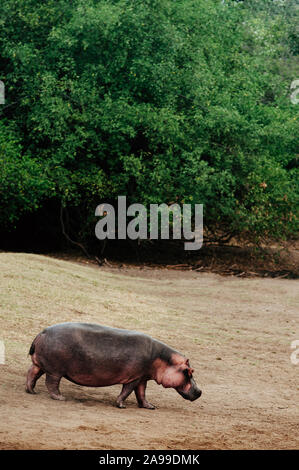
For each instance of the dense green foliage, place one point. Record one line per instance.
(159, 100)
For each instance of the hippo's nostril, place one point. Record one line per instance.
(195, 395)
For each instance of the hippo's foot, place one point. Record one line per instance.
(120, 404)
(147, 405)
(30, 390)
(57, 397)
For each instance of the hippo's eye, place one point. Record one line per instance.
(186, 373)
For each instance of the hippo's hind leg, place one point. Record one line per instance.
(126, 390)
(52, 384)
(34, 373)
(140, 395)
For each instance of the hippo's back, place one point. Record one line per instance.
(95, 334)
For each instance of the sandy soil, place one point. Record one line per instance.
(236, 332)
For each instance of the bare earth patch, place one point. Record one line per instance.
(237, 333)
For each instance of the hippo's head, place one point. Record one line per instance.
(188, 389)
(179, 375)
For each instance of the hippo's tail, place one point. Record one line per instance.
(32, 347)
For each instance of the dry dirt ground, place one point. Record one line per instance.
(236, 332)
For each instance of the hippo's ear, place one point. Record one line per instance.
(188, 371)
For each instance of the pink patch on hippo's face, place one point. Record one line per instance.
(178, 374)
(173, 377)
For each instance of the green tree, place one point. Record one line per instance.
(159, 100)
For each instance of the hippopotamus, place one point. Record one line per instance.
(98, 356)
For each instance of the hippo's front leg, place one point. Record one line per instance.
(140, 395)
(126, 390)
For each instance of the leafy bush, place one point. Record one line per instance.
(159, 100)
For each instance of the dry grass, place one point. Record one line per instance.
(237, 333)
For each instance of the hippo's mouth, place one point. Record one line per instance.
(191, 396)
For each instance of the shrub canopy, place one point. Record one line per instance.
(159, 100)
